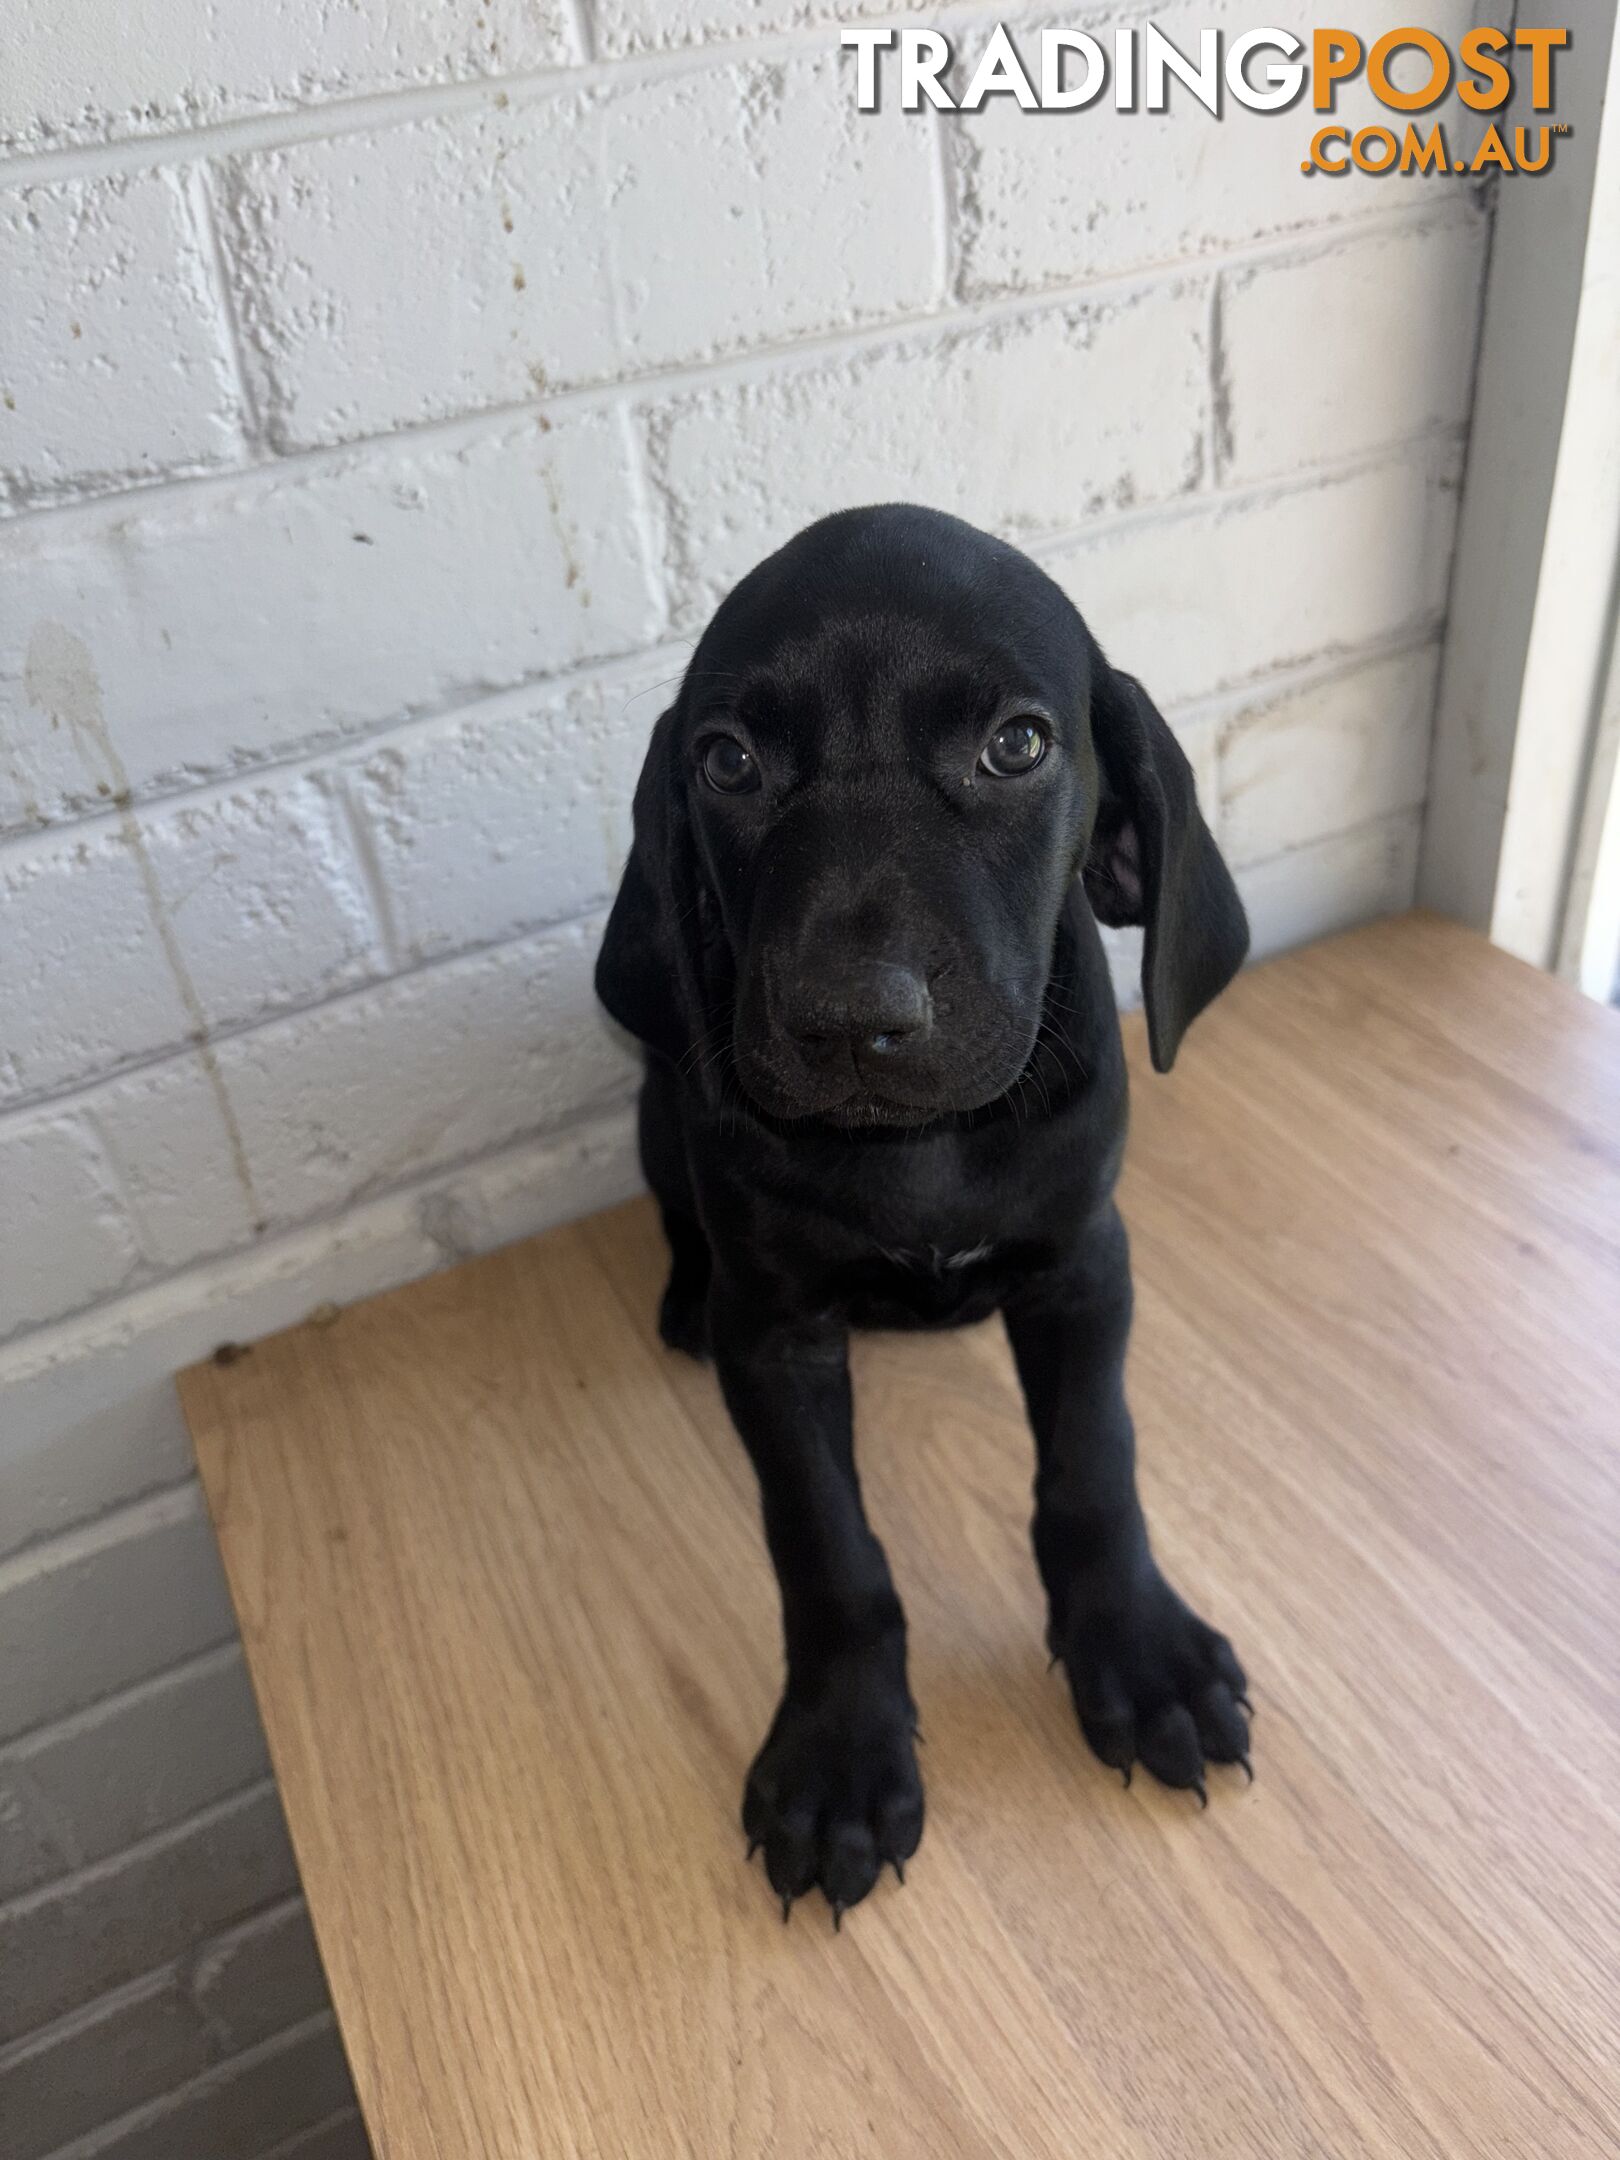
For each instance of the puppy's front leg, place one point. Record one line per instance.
(834, 1792)
(1151, 1681)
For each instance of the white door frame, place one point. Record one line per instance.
(1522, 833)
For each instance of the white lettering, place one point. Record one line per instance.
(924, 57)
(1058, 96)
(1000, 68)
(1280, 81)
(1161, 59)
(866, 45)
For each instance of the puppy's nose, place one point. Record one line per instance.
(874, 1009)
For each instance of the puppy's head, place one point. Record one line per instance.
(896, 747)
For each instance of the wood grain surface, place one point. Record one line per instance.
(498, 1565)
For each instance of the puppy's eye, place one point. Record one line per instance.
(1016, 747)
(729, 767)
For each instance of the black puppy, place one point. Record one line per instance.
(857, 933)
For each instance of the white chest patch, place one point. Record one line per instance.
(933, 1260)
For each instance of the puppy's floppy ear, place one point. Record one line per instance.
(646, 972)
(1153, 861)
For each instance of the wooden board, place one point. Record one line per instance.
(498, 1567)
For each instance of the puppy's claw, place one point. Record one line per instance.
(787, 1907)
(1247, 1767)
(1125, 1776)
(1199, 1788)
(753, 1847)
(1244, 1703)
(1054, 1661)
(838, 1917)
(899, 1867)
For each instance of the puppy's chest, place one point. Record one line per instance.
(925, 1255)
(893, 1287)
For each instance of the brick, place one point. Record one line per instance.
(67, 1238)
(634, 26)
(126, 1769)
(66, 79)
(489, 824)
(263, 898)
(1350, 349)
(1027, 426)
(241, 620)
(1330, 885)
(53, 1476)
(99, 2063)
(117, 367)
(296, 2082)
(260, 1978)
(485, 279)
(1225, 592)
(167, 1133)
(1059, 198)
(711, 168)
(252, 899)
(1327, 757)
(141, 1908)
(434, 1068)
(101, 1608)
(84, 978)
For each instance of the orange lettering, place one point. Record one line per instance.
(1487, 94)
(1334, 55)
(1541, 45)
(1393, 41)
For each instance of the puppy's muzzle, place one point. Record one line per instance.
(874, 1013)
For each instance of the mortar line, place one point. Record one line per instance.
(1220, 385)
(661, 385)
(948, 260)
(339, 746)
(204, 212)
(73, 1097)
(1322, 667)
(1491, 205)
(138, 1848)
(104, 2138)
(289, 2148)
(616, 1109)
(341, 749)
(581, 19)
(331, 119)
(16, 1751)
(363, 848)
(307, 757)
(123, 1191)
(651, 515)
(163, 1506)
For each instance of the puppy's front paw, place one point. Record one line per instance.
(1152, 1683)
(835, 1794)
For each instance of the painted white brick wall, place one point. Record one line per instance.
(76, 72)
(577, 188)
(118, 360)
(388, 395)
